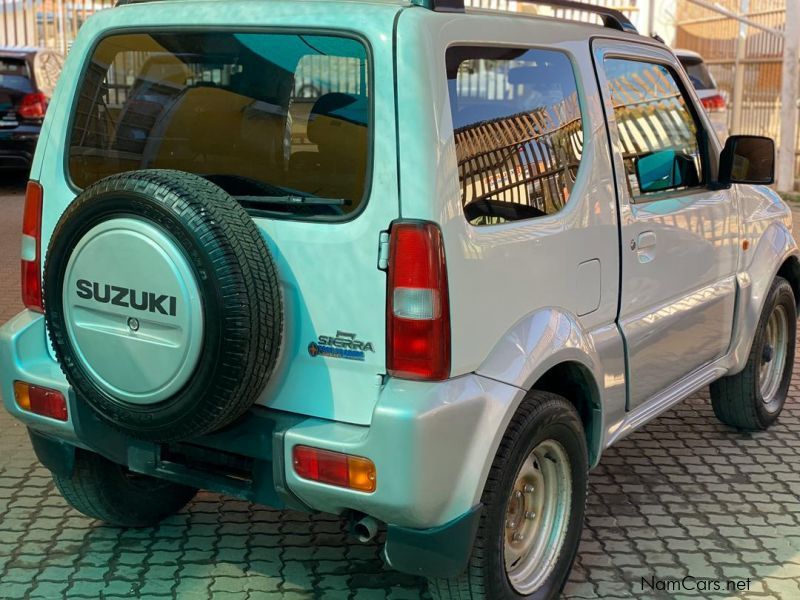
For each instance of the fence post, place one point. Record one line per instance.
(790, 85)
(738, 77)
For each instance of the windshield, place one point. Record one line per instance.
(14, 75)
(281, 121)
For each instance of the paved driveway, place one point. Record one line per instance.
(683, 496)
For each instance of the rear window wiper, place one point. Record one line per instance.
(290, 200)
(295, 205)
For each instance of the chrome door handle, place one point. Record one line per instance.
(646, 247)
(647, 239)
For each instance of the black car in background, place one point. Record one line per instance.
(27, 79)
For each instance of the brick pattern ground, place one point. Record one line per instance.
(683, 496)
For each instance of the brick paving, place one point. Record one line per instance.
(683, 496)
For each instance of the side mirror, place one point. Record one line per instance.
(665, 170)
(747, 159)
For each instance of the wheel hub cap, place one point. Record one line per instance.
(133, 311)
(537, 516)
(773, 356)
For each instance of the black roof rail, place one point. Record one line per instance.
(611, 17)
(124, 2)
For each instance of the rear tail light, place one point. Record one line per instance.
(40, 401)
(418, 307)
(31, 248)
(334, 468)
(33, 106)
(715, 103)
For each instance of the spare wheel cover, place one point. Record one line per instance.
(133, 310)
(162, 304)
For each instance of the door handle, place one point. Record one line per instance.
(646, 246)
(647, 239)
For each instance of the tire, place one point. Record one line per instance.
(738, 400)
(228, 299)
(542, 419)
(104, 490)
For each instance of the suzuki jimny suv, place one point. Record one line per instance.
(402, 262)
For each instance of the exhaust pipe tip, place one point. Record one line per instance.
(365, 529)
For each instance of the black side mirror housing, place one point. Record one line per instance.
(747, 159)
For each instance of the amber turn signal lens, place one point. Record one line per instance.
(40, 401)
(362, 474)
(22, 395)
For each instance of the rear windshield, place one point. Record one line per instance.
(281, 121)
(698, 73)
(15, 76)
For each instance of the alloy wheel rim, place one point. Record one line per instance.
(537, 517)
(773, 357)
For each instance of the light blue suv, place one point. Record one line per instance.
(399, 261)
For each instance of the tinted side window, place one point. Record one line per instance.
(518, 131)
(660, 135)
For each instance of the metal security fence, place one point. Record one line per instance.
(745, 61)
(47, 23)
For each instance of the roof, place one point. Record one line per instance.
(157, 9)
(682, 53)
(611, 18)
(19, 50)
(122, 3)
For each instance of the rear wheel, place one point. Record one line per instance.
(753, 399)
(533, 508)
(107, 491)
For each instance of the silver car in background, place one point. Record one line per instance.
(713, 100)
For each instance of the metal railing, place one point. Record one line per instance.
(46, 23)
(745, 61)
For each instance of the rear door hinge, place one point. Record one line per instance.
(383, 251)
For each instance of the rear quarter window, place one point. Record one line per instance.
(281, 121)
(518, 131)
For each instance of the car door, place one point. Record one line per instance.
(679, 235)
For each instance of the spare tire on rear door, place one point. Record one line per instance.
(162, 303)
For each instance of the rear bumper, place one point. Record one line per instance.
(17, 147)
(432, 445)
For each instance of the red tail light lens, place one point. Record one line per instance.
(41, 401)
(334, 468)
(31, 248)
(418, 307)
(714, 103)
(33, 106)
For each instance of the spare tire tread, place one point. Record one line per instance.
(250, 312)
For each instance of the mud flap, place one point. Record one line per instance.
(437, 552)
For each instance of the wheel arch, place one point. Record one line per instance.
(790, 271)
(575, 382)
(549, 350)
(775, 254)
